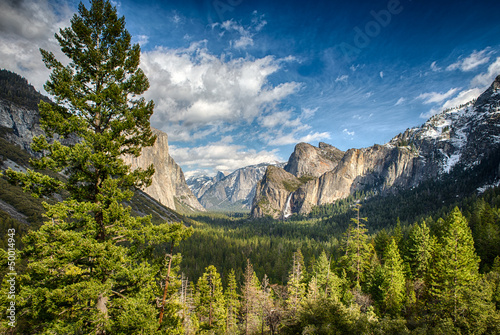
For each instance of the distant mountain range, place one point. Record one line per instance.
(229, 191)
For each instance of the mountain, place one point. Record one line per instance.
(168, 184)
(233, 192)
(21, 122)
(457, 141)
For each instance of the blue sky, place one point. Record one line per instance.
(240, 82)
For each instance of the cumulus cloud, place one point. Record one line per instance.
(435, 97)
(26, 26)
(220, 156)
(194, 89)
(473, 61)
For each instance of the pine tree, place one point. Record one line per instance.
(328, 283)
(455, 268)
(357, 250)
(210, 302)
(296, 286)
(420, 250)
(232, 304)
(393, 287)
(90, 268)
(250, 301)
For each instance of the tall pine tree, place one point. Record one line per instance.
(89, 266)
(455, 268)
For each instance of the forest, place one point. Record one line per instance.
(420, 261)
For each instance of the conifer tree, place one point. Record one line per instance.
(211, 303)
(250, 300)
(420, 250)
(393, 286)
(89, 266)
(232, 304)
(327, 282)
(296, 286)
(357, 250)
(455, 267)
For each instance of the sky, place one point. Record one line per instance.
(241, 82)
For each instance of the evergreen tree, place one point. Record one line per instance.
(210, 302)
(89, 266)
(393, 287)
(232, 304)
(455, 268)
(296, 286)
(357, 250)
(250, 301)
(327, 282)
(419, 251)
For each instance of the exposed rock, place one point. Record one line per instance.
(311, 161)
(168, 183)
(273, 191)
(24, 122)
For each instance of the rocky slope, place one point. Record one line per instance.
(168, 187)
(458, 139)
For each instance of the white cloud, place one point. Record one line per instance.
(485, 79)
(400, 101)
(142, 40)
(246, 33)
(292, 138)
(470, 63)
(462, 98)
(349, 133)
(435, 97)
(26, 26)
(381, 74)
(220, 156)
(194, 89)
(308, 113)
(342, 78)
(434, 67)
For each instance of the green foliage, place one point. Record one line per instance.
(393, 286)
(211, 303)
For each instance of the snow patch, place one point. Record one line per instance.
(486, 187)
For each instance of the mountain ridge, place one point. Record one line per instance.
(458, 138)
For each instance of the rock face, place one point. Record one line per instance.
(168, 184)
(24, 122)
(273, 193)
(234, 191)
(308, 160)
(459, 138)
